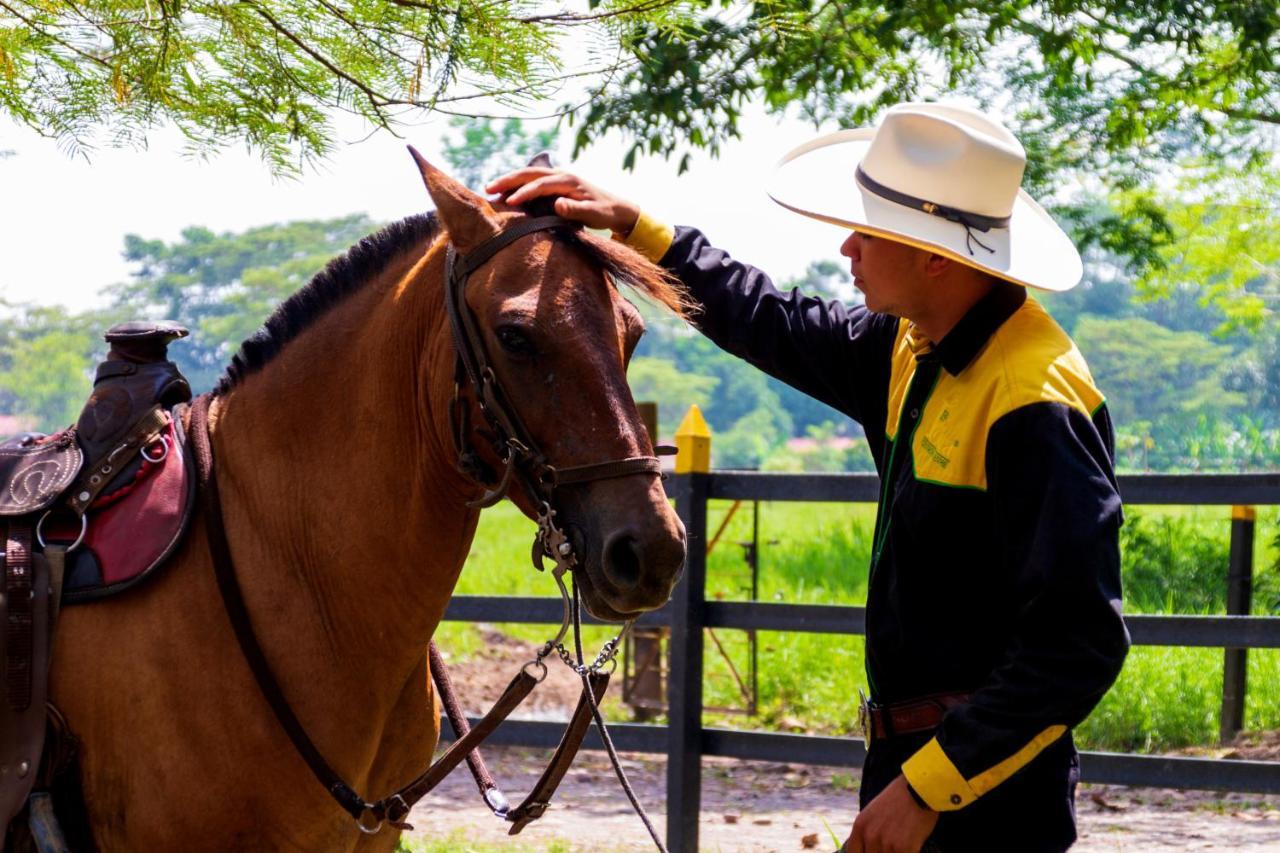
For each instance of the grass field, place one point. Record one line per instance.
(1166, 698)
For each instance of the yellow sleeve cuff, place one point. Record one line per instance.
(937, 781)
(650, 237)
(943, 787)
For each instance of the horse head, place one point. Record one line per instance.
(557, 334)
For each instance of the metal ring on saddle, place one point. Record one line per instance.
(84, 528)
(164, 452)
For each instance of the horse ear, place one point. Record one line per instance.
(542, 160)
(468, 218)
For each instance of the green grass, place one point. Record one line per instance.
(1166, 698)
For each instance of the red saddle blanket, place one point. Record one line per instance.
(135, 524)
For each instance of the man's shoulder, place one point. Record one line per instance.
(1030, 359)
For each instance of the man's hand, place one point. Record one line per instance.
(578, 200)
(891, 823)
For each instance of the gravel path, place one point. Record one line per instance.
(761, 806)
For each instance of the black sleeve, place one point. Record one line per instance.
(836, 353)
(1058, 514)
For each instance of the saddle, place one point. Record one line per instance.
(86, 512)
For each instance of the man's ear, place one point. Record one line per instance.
(937, 265)
(468, 218)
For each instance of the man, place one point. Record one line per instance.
(993, 607)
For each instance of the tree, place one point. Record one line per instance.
(273, 72)
(223, 286)
(1148, 371)
(48, 363)
(487, 148)
(1108, 89)
(657, 380)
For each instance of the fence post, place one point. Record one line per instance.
(684, 685)
(1235, 666)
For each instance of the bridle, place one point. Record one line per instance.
(521, 458)
(523, 464)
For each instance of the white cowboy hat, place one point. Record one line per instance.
(941, 177)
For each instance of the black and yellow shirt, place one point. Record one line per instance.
(995, 567)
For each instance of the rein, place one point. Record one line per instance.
(522, 462)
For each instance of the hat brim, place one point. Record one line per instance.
(817, 180)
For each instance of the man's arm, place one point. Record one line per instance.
(837, 354)
(1050, 475)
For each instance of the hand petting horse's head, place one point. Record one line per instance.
(558, 335)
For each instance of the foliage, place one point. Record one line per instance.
(1107, 89)
(1111, 91)
(1227, 221)
(660, 381)
(1148, 370)
(487, 148)
(45, 367)
(273, 73)
(223, 286)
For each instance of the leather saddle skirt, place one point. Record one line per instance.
(135, 524)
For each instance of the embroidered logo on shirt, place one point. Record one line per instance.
(934, 453)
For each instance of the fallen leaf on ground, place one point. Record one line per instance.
(1102, 803)
(810, 841)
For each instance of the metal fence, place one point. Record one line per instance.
(685, 740)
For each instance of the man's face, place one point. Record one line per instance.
(890, 274)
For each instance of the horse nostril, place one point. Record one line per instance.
(622, 560)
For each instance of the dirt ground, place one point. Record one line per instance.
(763, 806)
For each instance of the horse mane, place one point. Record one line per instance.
(348, 272)
(341, 277)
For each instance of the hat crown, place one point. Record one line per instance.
(948, 155)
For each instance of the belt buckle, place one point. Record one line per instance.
(864, 716)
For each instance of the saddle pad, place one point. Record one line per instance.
(133, 529)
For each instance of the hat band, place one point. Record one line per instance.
(966, 218)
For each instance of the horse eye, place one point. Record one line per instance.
(515, 341)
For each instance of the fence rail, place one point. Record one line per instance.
(685, 740)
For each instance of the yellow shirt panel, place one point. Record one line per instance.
(1029, 359)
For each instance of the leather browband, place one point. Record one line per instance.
(951, 214)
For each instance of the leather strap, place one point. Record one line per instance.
(536, 803)
(915, 715)
(99, 473)
(19, 621)
(605, 470)
(489, 791)
(233, 602)
(511, 438)
(397, 806)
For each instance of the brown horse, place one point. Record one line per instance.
(349, 525)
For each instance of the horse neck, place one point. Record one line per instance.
(345, 512)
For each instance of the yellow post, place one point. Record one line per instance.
(1244, 513)
(693, 443)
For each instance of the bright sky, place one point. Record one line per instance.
(63, 219)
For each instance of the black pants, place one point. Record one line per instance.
(1033, 811)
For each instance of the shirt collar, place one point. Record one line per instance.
(975, 328)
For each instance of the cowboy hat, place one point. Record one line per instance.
(942, 177)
